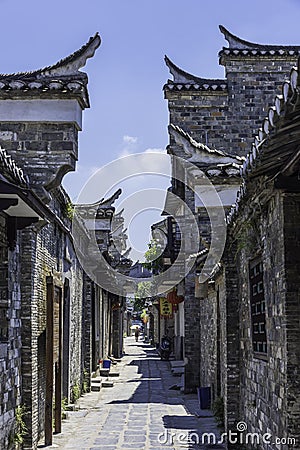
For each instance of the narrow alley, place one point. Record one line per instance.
(139, 412)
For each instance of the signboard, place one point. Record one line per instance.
(165, 308)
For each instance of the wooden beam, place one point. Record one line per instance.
(292, 166)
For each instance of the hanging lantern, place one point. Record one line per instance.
(115, 306)
(173, 298)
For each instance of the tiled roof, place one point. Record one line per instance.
(10, 170)
(216, 164)
(62, 77)
(235, 159)
(274, 147)
(186, 81)
(101, 209)
(238, 46)
(197, 145)
(7, 85)
(223, 170)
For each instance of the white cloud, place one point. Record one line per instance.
(129, 145)
(130, 139)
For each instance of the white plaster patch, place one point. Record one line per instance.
(41, 110)
(6, 135)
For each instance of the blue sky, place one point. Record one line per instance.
(128, 112)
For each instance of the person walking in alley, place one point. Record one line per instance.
(137, 333)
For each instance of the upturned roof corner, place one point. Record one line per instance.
(63, 78)
(243, 47)
(212, 161)
(69, 65)
(102, 203)
(235, 41)
(74, 62)
(179, 75)
(182, 79)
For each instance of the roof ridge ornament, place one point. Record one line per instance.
(236, 42)
(181, 76)
(109, 201)
(67, 66)
(72, 63)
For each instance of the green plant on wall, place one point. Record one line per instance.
(69, 210)
(64, 404)
(218, 410)
(85, 386)
(248, 238)
(20, 427)
(75, 392)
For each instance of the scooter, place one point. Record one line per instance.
(165, 348)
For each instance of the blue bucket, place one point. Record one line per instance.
(204, 397)
(106, 364)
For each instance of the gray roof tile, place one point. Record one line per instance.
(238, 46)
(10, 170)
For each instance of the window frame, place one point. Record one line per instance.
(257, 306)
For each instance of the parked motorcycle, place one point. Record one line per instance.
(165, 348)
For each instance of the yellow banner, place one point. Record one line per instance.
(165, 307)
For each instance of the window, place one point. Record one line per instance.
(258, 308)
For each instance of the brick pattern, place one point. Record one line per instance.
(42, 255)
(252, 85)
(291, 214)
(267, 389)
(226, 120)
(45, 151)
(10, 341)
(202, 114)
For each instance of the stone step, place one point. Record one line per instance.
(96, 373)
(114, 374)
(107, 383)
(177, 371)
(177, 363)
(95, 387)
(96, 380)
(104, 372)
(71, 407)
(115, 360)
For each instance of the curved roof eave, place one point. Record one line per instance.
(67, 66)
(237, 43)
(180, 76)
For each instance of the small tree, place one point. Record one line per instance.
(153, 256)
(143, 292)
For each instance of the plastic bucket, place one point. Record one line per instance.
(106, 364)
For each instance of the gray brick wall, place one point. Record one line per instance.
(10, 340)
(252, 85)
(266, 393)
(45, 151)
(226, 120)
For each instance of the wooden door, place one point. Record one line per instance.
(53, 359)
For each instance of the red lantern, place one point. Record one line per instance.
(173, 298)
(115, 306)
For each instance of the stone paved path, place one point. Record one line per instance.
(138, 412)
